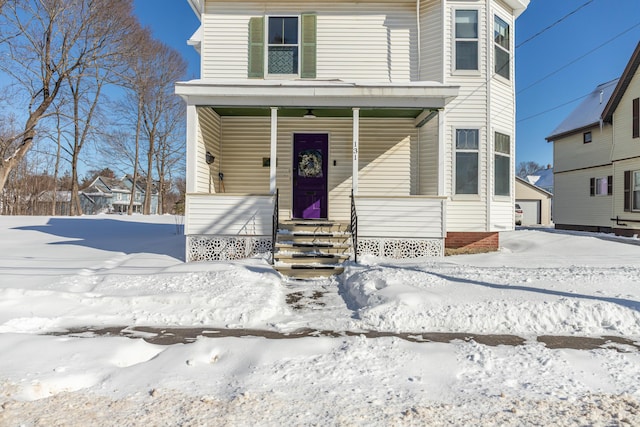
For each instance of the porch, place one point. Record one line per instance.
(315, 149)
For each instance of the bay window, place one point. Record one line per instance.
(467, 161)
(466, 40)
(502, 47)
(502, 167)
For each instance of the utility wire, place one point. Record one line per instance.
(553, 108)
(554, 24)
(579, 58)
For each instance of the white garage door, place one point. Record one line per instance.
(531, 210)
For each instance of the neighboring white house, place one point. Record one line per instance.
(407, 105)
(597, 159)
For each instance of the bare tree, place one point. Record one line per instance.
(168, 66)
(527, 168)
(148, 80)
(47, 41)
(169, 148)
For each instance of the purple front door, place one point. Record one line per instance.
(310, 158)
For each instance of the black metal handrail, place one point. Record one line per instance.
(354, 227)
(274, 227)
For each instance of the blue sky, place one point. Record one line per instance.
(555, 53)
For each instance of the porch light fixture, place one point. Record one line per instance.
(210, 158)
(309, 114)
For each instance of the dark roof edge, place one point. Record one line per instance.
(623, 84)
(571, 132)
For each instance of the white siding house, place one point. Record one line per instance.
(597, 159)
(401, 110)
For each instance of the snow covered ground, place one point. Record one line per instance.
(61, 273)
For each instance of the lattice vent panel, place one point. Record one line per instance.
(220, 248)
(401, 248)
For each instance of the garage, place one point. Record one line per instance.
(535, 203)
(531, 211)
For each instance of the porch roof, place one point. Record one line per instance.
(314, 93)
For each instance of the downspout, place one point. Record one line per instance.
(419, 36)
(419, 74)
(490, 161)
(442, 124)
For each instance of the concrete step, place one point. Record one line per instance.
(312, 248)
(309, 247)
(303, 271)
(311, 258)
(315, 226)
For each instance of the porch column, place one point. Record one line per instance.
(274, 150)
(441, 152)
(192, 148)
(356, 144)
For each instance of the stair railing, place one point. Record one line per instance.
(354, 227)
(274, 227)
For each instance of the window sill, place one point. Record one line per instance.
(465, 198)
(281, 76)
(466, 73)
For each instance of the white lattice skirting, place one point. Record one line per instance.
(218, 248)
(401, 248)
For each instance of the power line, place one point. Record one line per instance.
(553, 108)
(579, 58)
(554, 24)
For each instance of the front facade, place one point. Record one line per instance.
(597, 159)
(406, 105)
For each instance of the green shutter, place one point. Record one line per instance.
(308, 53)
(256, 48)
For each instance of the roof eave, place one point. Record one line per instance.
(557, 136)
(518, 6)
(623, 84)
(316, 94)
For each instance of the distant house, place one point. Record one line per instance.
(597, 159)
(542, 179)
(46, 200)
(534, 201)
(112, 195)
(406, 105)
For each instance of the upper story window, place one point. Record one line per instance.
(282, 57)
(282, 46)
(502, 164)
(502, 47)
(635, 114)
(467, 161)
(466, 43)
(586, 137)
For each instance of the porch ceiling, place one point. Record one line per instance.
(407, 113)
(332, 94)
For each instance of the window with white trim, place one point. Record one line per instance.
(282, 45)
(502, 166)
(502, 47)
(467, 152)
(466, 40)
